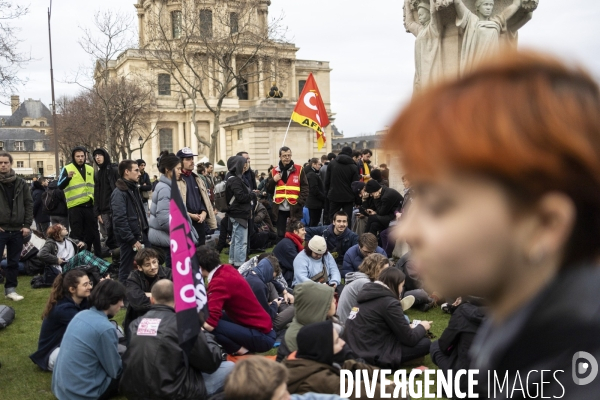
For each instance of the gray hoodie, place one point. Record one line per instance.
(354, 283)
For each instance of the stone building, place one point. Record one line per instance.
(24, 135)
(249, 120)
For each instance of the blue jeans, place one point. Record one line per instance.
(13, 241)
(239, 244)
(233, 337)
(215, 382)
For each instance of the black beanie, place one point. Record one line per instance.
(372, 186)
(347, 151)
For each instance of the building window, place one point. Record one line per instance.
(27, 123)
(43, 131)
(242, 89)
(176, 23)
(19, 145)
(39, 145)
(1, 145)
(42, 124)
(240, 133)
(301, 86)
(165, 138)
(40, 167)
(233, 22)
(164, 84)
(20, 164)
(206, 24)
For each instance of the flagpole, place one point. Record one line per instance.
(286, 132)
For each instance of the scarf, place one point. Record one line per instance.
(185, 172)
(296, 239)
(284, 170)
(8, 177)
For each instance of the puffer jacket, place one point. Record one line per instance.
(342, 171)
(154, 367)
(20, 215)
(129, 218)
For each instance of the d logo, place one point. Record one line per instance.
(582, 367)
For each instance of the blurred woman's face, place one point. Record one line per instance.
(301, 233)
(463, 235)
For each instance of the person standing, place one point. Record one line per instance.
(104, 184)
(316, 192)
(195, 196)
(326, 160)
(145, 185)
(338, 183)
(130, 223)
(16, 217)
(365, 165)
(249, 175)
(55, 205)
(289, 188)
(77, 181)
(42, 220)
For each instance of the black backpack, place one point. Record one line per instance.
(48, 201)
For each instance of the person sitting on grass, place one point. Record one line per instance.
(289, 247)
(259, 378)
(368, 272)
(140, 282)
(338, 236)
(68, 296)
(249, 265)
(197, 376)
(377, 329)
(88, 366)
(367, 244)
(68, 253)
(273, 298)
(316, 366)
(316, 264)
(236, 318)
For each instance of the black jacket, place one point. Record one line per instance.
(337, 245)
(286, 251)
(376, 332)
(145, 185)
(387, 204)
(59, 202)
(154, 367)
(342, 171)
(105, 182)
(316, 191)
(20, 214)
(130, 223)
(242, 205)
(137, 286)
(38, 206)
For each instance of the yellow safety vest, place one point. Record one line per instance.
(79, 191)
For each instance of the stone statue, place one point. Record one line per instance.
(428, 63)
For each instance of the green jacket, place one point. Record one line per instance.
(21, 215)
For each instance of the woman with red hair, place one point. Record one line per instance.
(505, 166)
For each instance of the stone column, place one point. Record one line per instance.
(154, 147)
(180, 134)
(233, 93)
(261, 81)
(294, 85)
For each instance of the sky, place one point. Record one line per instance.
(370, 53)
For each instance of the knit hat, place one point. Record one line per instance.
(372, 186)
(347, 151)
(318, 244)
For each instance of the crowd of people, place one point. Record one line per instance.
(505, 240)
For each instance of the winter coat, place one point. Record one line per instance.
(378, 328)
(105, 182)
(155, 366)
(387, 204)
(354, 257)
(261, 217)
(258, 279)
(58, 200)
(48, 252)
(20, 215)
(295, 211)
(54, 327)
(353, 285)
(286, 252)
(38, 207)
(311, 303)
(337, 245)
(129, 217)
(145, 184)
(211, 219)
(241, 207)
(316, 190)
(137, 286)
(305, 267)
(342, 171)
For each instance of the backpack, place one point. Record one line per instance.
(46, 279)
(48, 201)
(7, 315)
(221, 196)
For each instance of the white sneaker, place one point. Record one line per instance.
(407, 302)
(14, 296)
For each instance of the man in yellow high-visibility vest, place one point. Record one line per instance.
(77, 181)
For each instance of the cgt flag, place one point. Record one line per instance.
(188, 284)
(310, 110)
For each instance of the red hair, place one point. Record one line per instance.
(524, 119)
(54, 232)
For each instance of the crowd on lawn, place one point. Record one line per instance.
(499, 213)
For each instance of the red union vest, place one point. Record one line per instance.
(289, 190)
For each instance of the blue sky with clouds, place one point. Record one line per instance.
(371, 54)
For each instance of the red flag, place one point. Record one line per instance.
(310, 110)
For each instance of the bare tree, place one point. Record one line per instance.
(215, 50)
(11, 60)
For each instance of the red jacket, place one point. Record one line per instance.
(228, 291)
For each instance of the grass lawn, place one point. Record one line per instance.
(20, 378)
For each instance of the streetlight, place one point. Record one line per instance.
(141, 140)
(54, 126)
